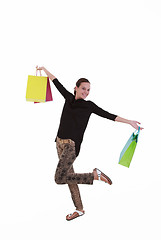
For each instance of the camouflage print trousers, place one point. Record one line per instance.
(65, 173)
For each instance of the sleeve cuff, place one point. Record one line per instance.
(54, 79)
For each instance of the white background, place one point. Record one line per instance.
(117, 46)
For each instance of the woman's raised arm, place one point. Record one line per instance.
(66, 94)
(51, 76)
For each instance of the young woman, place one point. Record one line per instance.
(74, 119)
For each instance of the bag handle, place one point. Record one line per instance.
(135, 136)
(39, 72)
(137, 131)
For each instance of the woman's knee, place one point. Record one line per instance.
(59, 179)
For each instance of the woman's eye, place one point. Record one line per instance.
(85, 89)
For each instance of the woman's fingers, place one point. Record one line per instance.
(135, 125)
(38, 68)
(140, 127)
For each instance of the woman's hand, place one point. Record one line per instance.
(51, 76)
(134, 124)
(131, 122)
(39, 68)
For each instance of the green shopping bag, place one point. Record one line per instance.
(129, 149)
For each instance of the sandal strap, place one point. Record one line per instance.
(99, 174)
(79, 212)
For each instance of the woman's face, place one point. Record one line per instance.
(83, 90)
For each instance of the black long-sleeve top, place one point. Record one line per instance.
(75, 116)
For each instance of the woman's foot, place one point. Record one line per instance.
(98, 175)
(75, 214)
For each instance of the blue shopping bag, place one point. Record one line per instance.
(129, 149)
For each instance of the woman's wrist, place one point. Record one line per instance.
(130, 122)
(123, 120)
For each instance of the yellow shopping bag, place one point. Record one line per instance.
(36, 88)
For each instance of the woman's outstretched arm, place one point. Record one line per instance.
(131, 122)
(66, 94)
(51, 76)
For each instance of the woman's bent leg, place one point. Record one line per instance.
(66, 159)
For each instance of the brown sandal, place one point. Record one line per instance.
(102, 177)
(75, 214)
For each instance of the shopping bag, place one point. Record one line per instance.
(38, 89)
(48, 92)
(129, 149)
